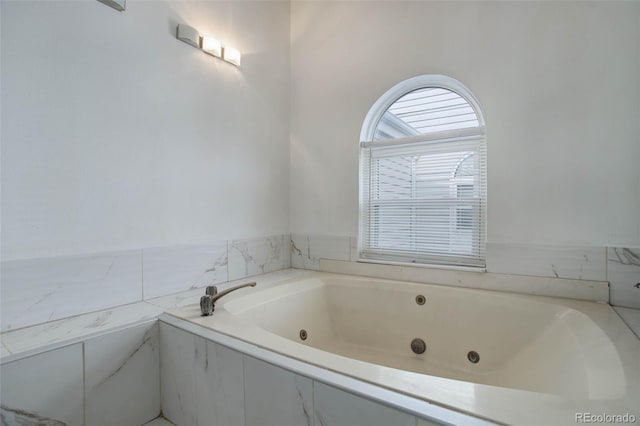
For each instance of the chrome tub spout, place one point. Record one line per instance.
(208, 301)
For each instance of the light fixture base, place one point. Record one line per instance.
(119, 5)
(188, 34)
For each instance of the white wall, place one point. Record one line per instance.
(558, 83)
(116, 135)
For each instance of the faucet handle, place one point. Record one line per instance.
(211, 290)
(206, 305)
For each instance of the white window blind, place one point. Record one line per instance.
(423, 182)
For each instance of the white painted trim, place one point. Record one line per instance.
(476, 133)
(428, 80)
(382, 105)
(390, 123)
(424, 265)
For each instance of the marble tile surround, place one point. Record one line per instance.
(291, 404)
(3, 350)
(79, 328)
(174, 269)
(307, 250)
(112, 379)
(333, 407)
(40, 290)
(273, 396)
(121, 369)
(171, 301)
(623, 270)
(45, 389)
(541, 286)
(631, 317)
(180, 299)
(622, 273)
(36, 291)
(619, 266)
(256, 256)
(579, 263)
(55, 334)
(202, 381)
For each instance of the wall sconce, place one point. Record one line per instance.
(231, 55)
(189, 35)
(119, 5)
(211, 46)
(208, 44)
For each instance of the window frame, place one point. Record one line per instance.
(371, 122)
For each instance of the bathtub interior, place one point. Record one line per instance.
(523, 342)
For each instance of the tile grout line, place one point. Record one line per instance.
(313, 401)
(142, 273)
(227, 242)
(159, 325)
(244, 390)
(84, 386)
(606, 271)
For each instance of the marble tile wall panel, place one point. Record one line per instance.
(79, 327)
(307, 250)
(178, 300)
(39, 290)
(300, 252)
(122, 377)
(335, 407)
(584, 263)
(623, 274)
(168, 270)
(631, 317)
(4, 351)
(202, 382)
(45, 389)
(581, 263)
(541, 286)
(258, 255)
(274, 396)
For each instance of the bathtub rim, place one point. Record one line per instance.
(558, 311)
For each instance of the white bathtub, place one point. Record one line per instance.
(541, 360)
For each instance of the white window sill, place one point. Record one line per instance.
(426, 265)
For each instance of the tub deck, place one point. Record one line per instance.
(542, 359)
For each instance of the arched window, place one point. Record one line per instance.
(423, 175)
